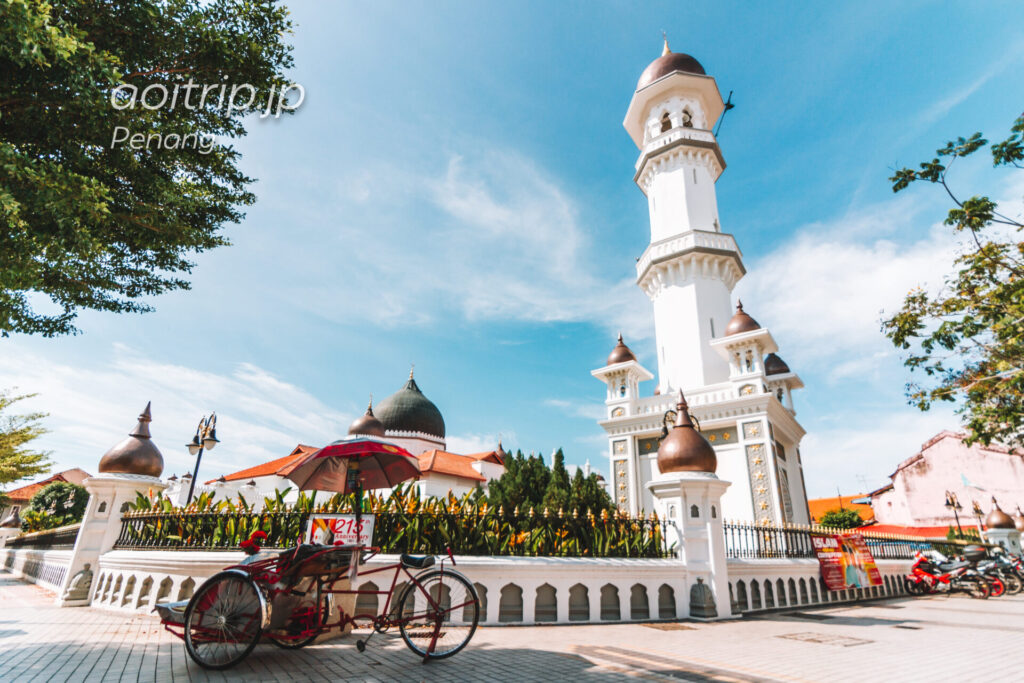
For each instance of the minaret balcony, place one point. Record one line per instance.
(704, 241)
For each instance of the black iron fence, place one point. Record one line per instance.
(52, 539)
(490, 533)
(748, 540)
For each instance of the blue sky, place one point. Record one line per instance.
(456, 192)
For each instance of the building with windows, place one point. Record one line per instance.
(726, 364)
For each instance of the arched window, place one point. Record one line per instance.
(666, 123)
(622, 390)
(687, 119)
(610, 603)
(639, 607)
(694, 511)
(546, 605)
(714, 512)
(579, 603)
(755, 595)
(741, 596)
(510, 608)
(666, 602)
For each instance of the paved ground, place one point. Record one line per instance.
(923, 639)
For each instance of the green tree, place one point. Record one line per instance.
(89, 224)
(558, 492)
(522, 485)
(844, 518)
(17, 461)
(967, 338)
(57, 504)
(588, 495)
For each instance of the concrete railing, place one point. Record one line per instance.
(48, 568)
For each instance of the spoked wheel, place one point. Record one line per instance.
(914, 587)
(224, 620)
(307, 616)
(1013, 583)
(977, 589)
(441, 626)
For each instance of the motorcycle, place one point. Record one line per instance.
(1001, 579)
(932, 576)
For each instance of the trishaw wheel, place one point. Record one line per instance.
(442, 625)
(224, 620)
(307, 616)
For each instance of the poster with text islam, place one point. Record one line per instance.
(846, 561)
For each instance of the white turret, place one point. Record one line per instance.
(690, 267)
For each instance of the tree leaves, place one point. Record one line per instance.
(87, 224)
(968, 337)
(16, 460)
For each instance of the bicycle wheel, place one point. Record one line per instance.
(224, 620)
(442, 625)
(308, 614)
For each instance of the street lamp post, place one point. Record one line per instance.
(953, 504)
(205, 439)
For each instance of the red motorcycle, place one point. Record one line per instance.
(928, 576)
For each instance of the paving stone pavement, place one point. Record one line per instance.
(913, 639)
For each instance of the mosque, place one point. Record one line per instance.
(720, 357)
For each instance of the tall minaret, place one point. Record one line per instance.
(691, 266)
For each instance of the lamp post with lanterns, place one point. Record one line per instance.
(953, 504)
(205, 439)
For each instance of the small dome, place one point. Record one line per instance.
(408, 410)
(367, 425)
(773, 365)
(997, 519)
(620, 354)
(740, 322)
(137, 454)
(11, 521)
(667, 63)
(1018, 520)
(684, 449)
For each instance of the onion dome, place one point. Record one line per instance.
(684, 449)
(11, 521)
(367, 425)
(773, 365)
(997, 519)
(620, 354)
(740, 322)
(667, 63)
(173, 477)
(1018, 520)
(408, 410)
(137, 454)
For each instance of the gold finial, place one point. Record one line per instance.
(665, 50)
(412, 368)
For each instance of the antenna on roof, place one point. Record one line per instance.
(728, 105)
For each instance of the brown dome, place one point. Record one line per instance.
(137, 454)
(773, 365)
(1018, 520)
(997, 519)
(740, 322)
(667, 63)
(684, 449)
(620, 354)
(367, 425)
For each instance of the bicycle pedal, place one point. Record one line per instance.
(361, 645)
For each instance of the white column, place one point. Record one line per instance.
(101, 523)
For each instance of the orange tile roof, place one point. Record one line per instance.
(922, 531)
(819, 506)
(489, 456)
(443, 462)
(24, 493)
(281, 467)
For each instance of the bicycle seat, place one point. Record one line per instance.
(417, 562)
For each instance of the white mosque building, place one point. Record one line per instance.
(720, 358)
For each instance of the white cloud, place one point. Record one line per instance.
(584, 409)
(479, 443)
(860, 449)
(259, 416)
(492, 237)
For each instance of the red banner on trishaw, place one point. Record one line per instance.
(846, 561)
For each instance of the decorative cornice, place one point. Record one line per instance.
(689, 146)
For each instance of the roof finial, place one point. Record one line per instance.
(665, 50)
(369, 406)
(620, 337)
(739, 306)
(412, 368)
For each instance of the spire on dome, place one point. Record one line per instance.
(684, 449)
(665, 51)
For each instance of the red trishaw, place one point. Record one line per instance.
(285, 597)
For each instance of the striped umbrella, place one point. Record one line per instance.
(355, 463)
